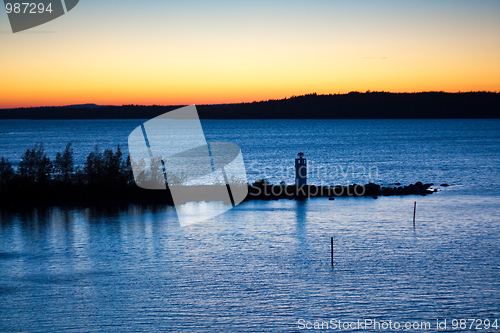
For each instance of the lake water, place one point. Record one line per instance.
(265, 266)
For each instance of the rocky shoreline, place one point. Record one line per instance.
(276, 192)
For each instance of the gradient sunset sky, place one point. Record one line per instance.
(203, 52)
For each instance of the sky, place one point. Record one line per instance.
(162, 52)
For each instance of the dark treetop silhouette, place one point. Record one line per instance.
(354, 105)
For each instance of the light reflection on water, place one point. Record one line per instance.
(259, 267)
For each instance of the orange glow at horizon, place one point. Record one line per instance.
(214, 59)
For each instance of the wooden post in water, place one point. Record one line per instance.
(331, 249)
(414, 211)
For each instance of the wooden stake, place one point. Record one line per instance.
(331, 248)
(414, 211)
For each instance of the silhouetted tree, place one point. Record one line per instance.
(93, 167)
(105, 169)
(152, 173)
(126, 171)
(6, 172)
(112, 163)
(64, 165)
(35, 167)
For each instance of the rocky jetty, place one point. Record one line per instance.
(85, 195)
(262, 190)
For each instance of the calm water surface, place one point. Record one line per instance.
(264, 265)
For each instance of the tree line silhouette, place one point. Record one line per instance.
(354, 105)
(35, 169)
(106, 176)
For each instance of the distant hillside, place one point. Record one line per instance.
(354, 105)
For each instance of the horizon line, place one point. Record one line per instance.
(255, 101)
